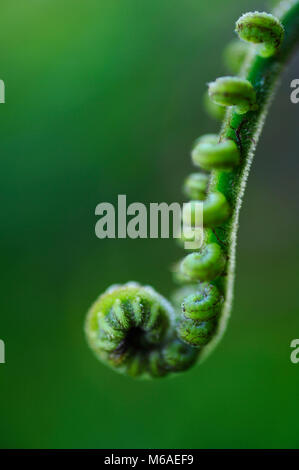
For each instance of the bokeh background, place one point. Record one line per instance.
(104, 97)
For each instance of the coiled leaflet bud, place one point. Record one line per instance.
(216, 210)
(197, 234)
(200, 311)
(196, 333)
(196, 185)
(177, 356)
(210, 154)
(214, 110)
(178, 296)
(233, 91)
(204, 265)
(129, 327)
(178, 276)
(262, 29)
(204, 304)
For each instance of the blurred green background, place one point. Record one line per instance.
(104, 97)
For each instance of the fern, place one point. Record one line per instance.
(133, 328)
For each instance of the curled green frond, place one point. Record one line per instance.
(177, 356)
(199, 316)
(233, 91)
(216, 210)
(178, 296)
(178, 276)
(210, 154)
(196, 185)
(214, 110)
(196, 231)
(133, 328)
(128, 328)
(204, 265)
(262, 29)
(196, 333)
(212, 139)
(204, 304)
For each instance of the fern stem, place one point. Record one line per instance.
(245, 130)
(133, 328)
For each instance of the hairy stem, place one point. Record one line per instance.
(134, 329)
(245, 130)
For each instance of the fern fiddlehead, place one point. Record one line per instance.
(133, 328)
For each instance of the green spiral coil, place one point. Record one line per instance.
(134, 329)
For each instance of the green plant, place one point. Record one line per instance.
(134, 329)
